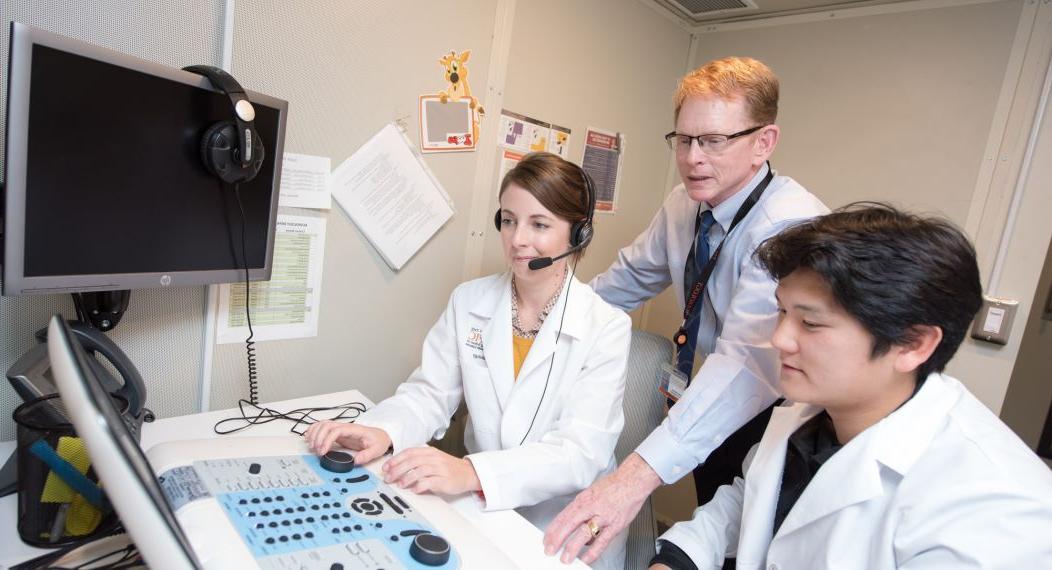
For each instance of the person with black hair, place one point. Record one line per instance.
(878, 459)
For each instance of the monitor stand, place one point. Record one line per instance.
(102, 309)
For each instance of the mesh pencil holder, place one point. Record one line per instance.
(60, 501)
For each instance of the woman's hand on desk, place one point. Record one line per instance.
(426, 469)
(367, 443)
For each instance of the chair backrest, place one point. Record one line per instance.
(644, 410)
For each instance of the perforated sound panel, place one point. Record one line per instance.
(21, 318)
(162, 331)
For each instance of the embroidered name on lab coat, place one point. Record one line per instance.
(474, 342)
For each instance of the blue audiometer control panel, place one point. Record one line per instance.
(293, 512)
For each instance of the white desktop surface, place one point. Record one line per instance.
(509, 532)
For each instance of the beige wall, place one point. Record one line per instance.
(609, 64)
(1029, 396)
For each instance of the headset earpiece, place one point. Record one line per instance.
(581, 232)
(496, 219)
(232, 151)
(221, 155)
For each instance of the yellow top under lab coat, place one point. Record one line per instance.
(939, 483)
(468, 353)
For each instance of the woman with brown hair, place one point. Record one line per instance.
(537, 356)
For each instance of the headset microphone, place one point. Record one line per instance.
(542, 262)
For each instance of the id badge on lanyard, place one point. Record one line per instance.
(671, 382)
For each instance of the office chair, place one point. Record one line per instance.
(644, 410)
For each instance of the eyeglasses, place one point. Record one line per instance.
(710, 144)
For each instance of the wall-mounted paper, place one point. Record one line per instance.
(287, 305)
(526, 134)
(603, 153)
(305, 181)
(508, 160)
(391, 195)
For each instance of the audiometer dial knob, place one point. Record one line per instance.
(337, 461)
(429, 549)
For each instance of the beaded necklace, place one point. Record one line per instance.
(516, 326)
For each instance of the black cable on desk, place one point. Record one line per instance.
(254, 414)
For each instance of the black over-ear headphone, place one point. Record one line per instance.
(581, 231)
(232, 151)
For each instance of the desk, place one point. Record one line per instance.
(509, 532)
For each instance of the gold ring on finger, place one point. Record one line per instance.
(593, 527)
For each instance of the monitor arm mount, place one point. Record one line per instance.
(101, 309)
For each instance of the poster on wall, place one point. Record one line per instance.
(449, 119)
(508, 160)
(526, 134)
(603, 153)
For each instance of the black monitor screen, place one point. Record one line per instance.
(114, 187)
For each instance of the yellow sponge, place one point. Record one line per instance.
(82, 517)
(72, 450)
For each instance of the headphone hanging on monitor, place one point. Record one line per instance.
(232, 151)
(581, 231)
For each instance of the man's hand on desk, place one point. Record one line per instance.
(604, 509)
(426, 469)
(367, 443)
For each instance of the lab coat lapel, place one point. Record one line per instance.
(763, 483)
(548, 337)
(850, 477)
(853, 474)
(496, 340)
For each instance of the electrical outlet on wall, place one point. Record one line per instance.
(994, 320)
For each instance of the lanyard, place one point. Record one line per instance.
(680, 338)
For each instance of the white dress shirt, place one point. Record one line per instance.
(939, 483)
(739, 376)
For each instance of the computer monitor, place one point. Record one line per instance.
(116, 456)
(105, 186)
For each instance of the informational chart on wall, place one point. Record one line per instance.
(287, 305)
(603, 152)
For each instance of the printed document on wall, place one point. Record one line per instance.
(392, 196)
(305, 182)
(603, 154)
(287, 305)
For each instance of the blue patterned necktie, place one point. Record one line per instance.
(691, 272)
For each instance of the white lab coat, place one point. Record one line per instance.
(939, 483)
(579, 415)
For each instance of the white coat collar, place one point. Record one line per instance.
(853, 474)
(494, 304)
